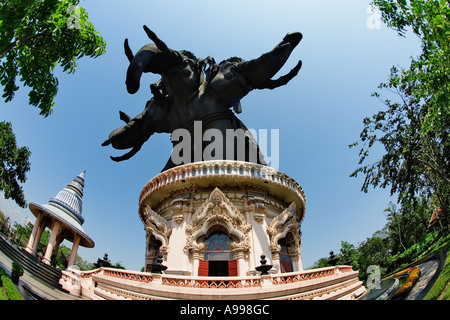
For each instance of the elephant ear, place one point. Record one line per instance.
(155, 58)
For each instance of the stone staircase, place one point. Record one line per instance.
(31, 264)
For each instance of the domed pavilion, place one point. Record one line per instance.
(63, 216)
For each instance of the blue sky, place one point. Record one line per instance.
(318, 114)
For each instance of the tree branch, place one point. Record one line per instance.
(17, 42)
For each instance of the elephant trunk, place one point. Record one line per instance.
(138, 65)
(260, 70)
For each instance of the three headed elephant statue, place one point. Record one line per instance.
(193, 89)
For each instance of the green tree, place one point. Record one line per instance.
(407, 225)
(4, 223)
(35, 37)
(347, 253)
(62, 257)
(321, 263)
(21, 233)
(106, 263)
(373, 251)
(83, 264)
(415, 130)
(430, 21)
(14, 165)
(118, 265)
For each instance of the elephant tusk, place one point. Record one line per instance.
(124, 117)
(128, 51)
(281, 81)
(127, 155)
(159, 43)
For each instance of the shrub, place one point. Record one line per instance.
(17, 268)
(16, 272)
(10, 289)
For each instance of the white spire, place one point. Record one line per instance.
(70, 198)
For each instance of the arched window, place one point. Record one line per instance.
(218, 258)
(218, 248)
(287, 246)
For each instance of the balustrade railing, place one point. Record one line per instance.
(70, 277)
(212, 282)
(218, 282)
(221, 168)
(306, 275)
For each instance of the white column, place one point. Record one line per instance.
(276, 261)
(295, 266)
(33, 235)
(298, 266)
(242, 265)
(178, 260)
(195, 263)
(41, 229)
(51, 242)
(73, 254)
(260, 243)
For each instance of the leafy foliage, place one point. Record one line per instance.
(35, 37)
(10, 289)
(14, 165)
(430, 74)
(408, 225)
(414, 131)
(17, 268)
(403, 239)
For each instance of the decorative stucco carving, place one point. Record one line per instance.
(158, 227)
(281, 226)
(180, 208)
(218, 210)
(256, 205)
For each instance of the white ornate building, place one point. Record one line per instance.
(219, 217)
(210, 222)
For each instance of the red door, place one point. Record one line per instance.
(232, 268)
(203, 268)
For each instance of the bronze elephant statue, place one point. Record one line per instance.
(193, 89)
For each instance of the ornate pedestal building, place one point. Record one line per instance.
(216, 218)
(207, 225)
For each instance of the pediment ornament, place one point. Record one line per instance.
(158, 227)
(281, 225)
(217, 209)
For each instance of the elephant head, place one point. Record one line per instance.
(155, 58)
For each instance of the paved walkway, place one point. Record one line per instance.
(33, 289)
(429, 272)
